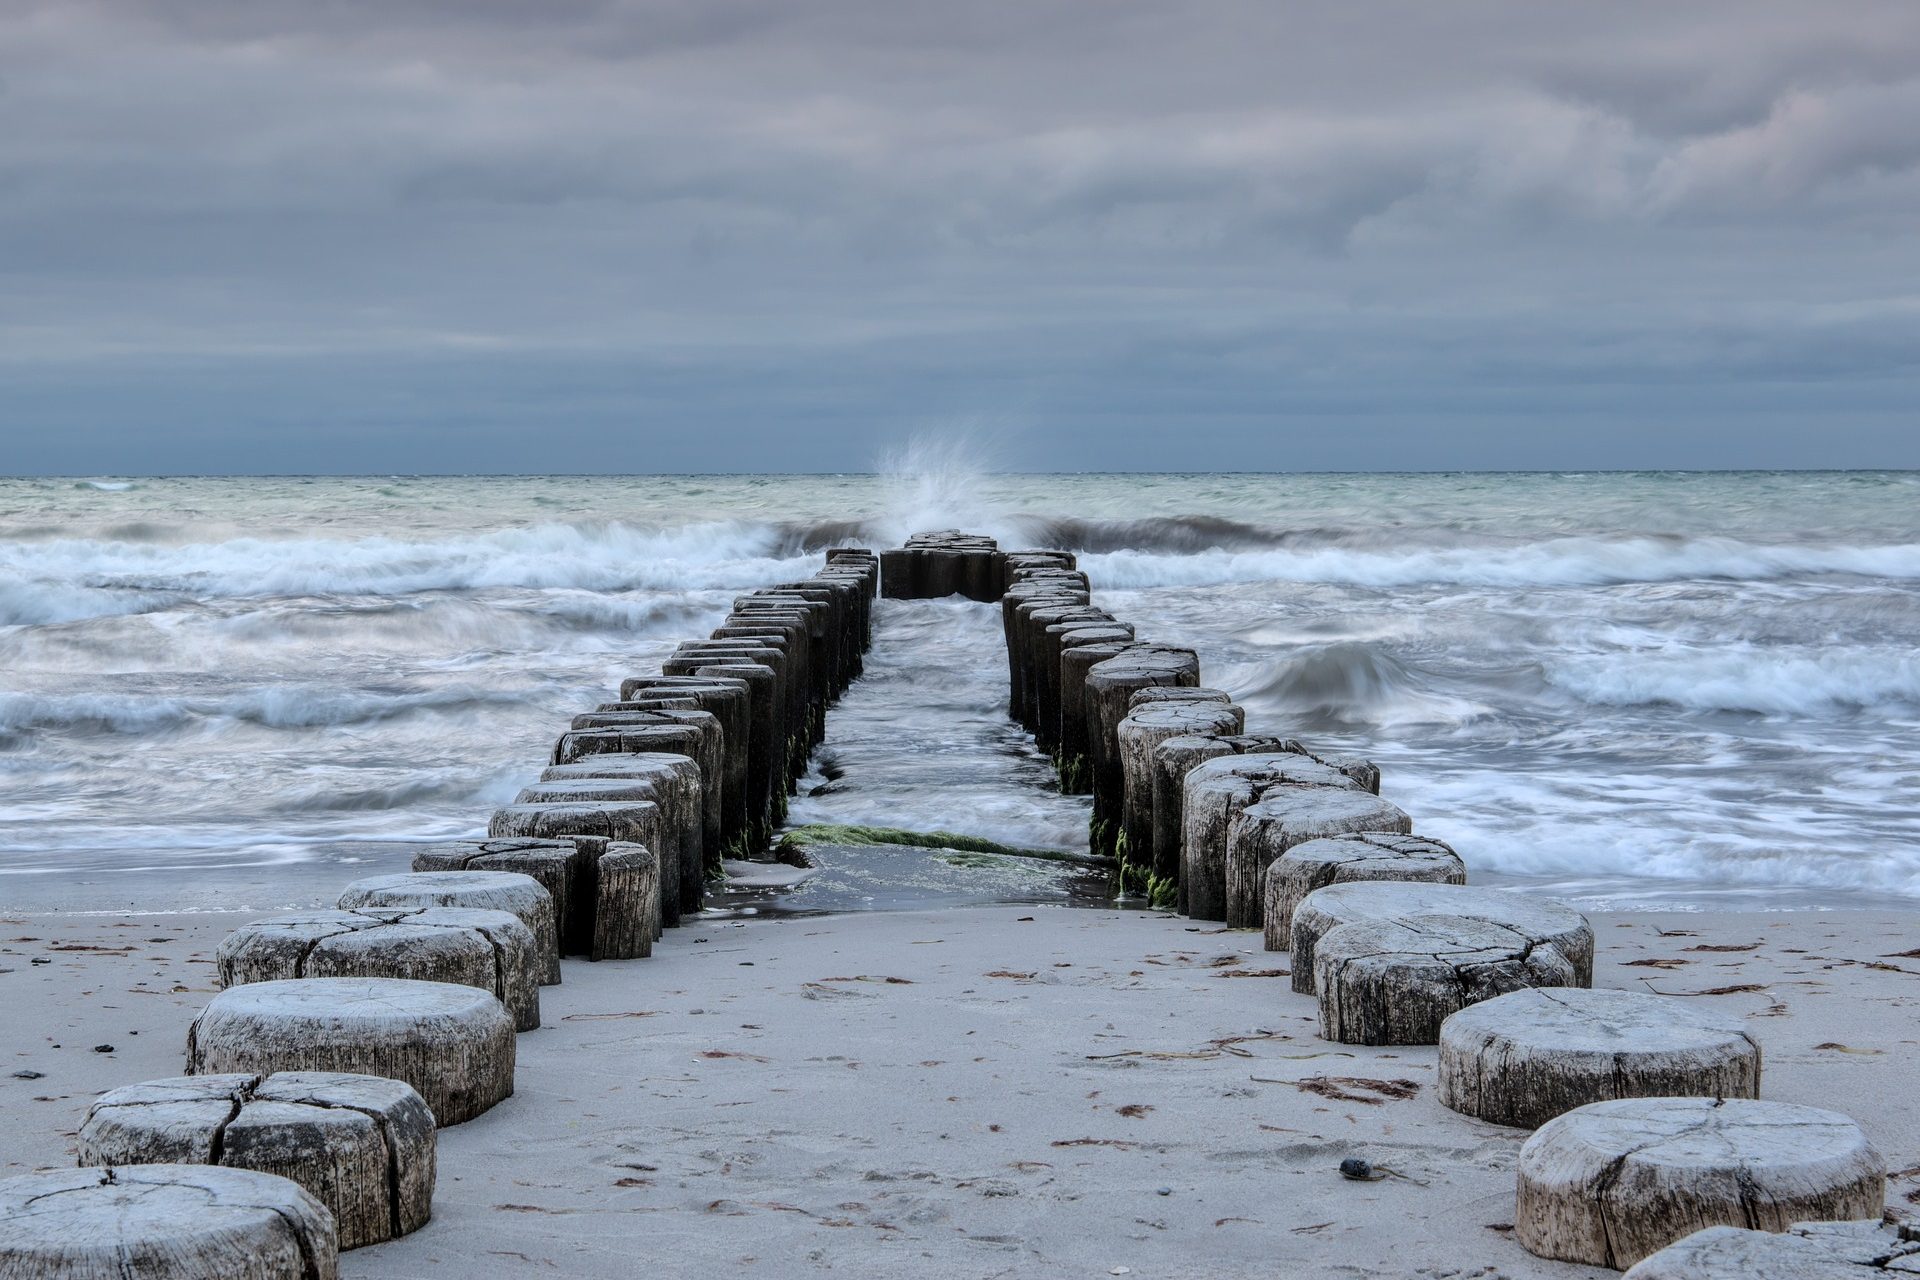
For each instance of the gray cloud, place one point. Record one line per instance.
(227, 224)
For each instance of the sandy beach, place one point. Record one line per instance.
(1003, 1091)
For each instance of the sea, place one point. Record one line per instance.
(1694, 691)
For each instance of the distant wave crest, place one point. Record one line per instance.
(68, 580)
(293, 706)
(1559, 562)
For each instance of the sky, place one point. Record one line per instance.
(688, 235)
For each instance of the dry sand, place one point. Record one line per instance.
(1008, 1091)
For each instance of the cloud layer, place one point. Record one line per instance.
(367, 235)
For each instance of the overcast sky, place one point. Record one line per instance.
(666, 235)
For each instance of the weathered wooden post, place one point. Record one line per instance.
(1110, 686)
(1145, 726)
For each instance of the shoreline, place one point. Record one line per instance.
(975, 1117)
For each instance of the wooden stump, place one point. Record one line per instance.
(454, 1044)
(1173, 760)
(679, 791)
(1045, 677)
(1284, 816)
(491, 950)
(1369, 855)
(519, 895)
(163, 1222)
(1076, 747)
(1339, 904)
(1525, 1058)
(1150, 723)
(731, 703)
(1805, 1251)
(624, 821)
(679, 819)
(1110, 687)
(362, 1145)
(1013, 630)
(1396, 981)
(1613, 1182)
(759, 741)
(564, 868)
(1046, 624)
(1217, 792)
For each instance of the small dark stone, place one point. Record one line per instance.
(1355, 1168)
(103, 1048)
(41, 960)
(1164, 1191)
(28, 1075)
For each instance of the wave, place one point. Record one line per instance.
(75, 579)
(1352, 683)
(1744, 678)
(44, 603)
(298, 706)
(106, 486)
(1559, 562)
(464, 788)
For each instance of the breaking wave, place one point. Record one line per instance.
(298, 706)
(1746, 679)
(72, 579)
(1352, 683)
(1558, 562)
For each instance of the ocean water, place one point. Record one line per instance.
(1633, 689)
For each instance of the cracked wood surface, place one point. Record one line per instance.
(1613, 1182)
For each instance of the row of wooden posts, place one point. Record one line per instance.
(344, 1039)
(1651, 1149)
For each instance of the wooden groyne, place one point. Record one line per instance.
(344, 1039)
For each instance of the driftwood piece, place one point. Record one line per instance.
(454, 1044)
(519, 895)
(1527, 1057)
(1366, 855)
(1867, 1250)
(491, 950)
(163, 1222)
(1217, 792)
(1396, 981)
(1283, 816)
(1339, 904)
(362, 1145)
(1613, 1182)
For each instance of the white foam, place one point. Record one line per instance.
(287, 706)
(1743, 677)
(65, 579)
(1558, 562)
